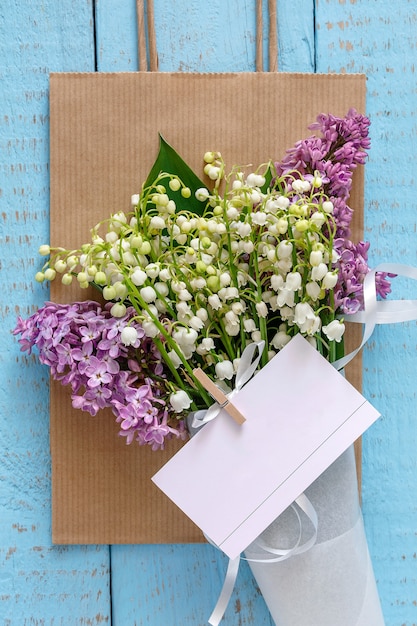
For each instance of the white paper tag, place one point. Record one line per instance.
(232, 480)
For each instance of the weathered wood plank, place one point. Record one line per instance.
(39, 583)
(179, 584)
(380, 40)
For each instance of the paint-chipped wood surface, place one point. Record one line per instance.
(171, 585)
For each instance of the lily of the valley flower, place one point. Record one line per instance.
(129, 336)
(280, 339)
(179, 400)
(335, 330)
(224, 370)
(306, 319)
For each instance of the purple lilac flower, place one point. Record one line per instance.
(97, 373)
(353, 267)
(353, 129)
(335, 155)
(81, 344)
(342, 148)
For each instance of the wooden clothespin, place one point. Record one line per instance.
(219, 396)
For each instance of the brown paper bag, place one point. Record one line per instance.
(104, 140)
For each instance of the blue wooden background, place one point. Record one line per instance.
(41, 584)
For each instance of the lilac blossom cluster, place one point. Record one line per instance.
(335, 155)
(83, 345)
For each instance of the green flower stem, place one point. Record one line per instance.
(261, 320)
(207, 399)
(294, 258)
(172, 344)
(232, 266)
(340, 349)
(332, 356)
(225, 338)
(332, 351)
(159, 344)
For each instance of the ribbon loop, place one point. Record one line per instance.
(283, 554)
(279, 555)
(380, 312)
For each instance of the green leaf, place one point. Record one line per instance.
(269, 175)
(169, 161)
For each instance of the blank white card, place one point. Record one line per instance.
(232, 481)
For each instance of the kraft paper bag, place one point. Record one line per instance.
(104, 140)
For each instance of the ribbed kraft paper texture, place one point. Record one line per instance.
(104, 140)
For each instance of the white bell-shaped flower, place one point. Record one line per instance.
(293, 281)
(306, 319)
(330, 280)
(180, 400)
(129, 335)
(224, 370)
(319, 271)
(335, 330)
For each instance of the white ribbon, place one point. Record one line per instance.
(380, 312)
(280, 555)
(246, 369)
(226, 592)
(305, 505)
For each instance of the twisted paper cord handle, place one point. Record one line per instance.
(272, 34)
(146, 27)
(146, 33)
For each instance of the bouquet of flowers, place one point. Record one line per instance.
(194, 273)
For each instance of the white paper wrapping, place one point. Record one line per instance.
(332, 583)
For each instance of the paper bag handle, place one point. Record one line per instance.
(272, 36)
(146, 27)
